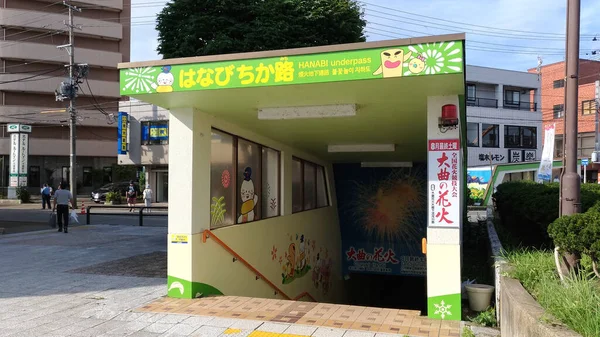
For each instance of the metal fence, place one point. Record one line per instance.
(139, 212)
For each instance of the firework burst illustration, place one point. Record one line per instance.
(394, 209)
(439, 58)
(139, 80)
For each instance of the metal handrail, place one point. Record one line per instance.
(207, 234)
(140, 213)
(482, 102)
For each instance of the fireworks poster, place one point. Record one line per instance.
(383, 217)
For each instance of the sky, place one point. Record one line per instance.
(507, 34)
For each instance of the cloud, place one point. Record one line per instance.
(496, 47)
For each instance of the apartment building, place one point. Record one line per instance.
(32, 69)
(553, 108)
(504, 121)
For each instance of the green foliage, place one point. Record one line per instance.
(467, 332)
(142, 181)
(113, 196)
(575, 304)
(527, 208)
(23, 194)
(124, 172)
(476, 194)
(486, 318)
(578, 233)
(217, 211)
(208, 27)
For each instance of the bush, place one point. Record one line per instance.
(527, 208)
(23, 194)
(113, 196)
(578, 233)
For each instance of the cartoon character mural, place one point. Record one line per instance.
(295, 262)
(417, 64)
(321, 275)
(164, 81)
(249, 198)
(302, 256)
(392, 62)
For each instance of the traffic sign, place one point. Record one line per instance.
(585, 162)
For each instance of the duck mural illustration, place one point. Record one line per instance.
(164, 81)
(249, 197)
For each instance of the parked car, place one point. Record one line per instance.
(99, 195)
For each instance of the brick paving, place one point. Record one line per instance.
(90, 283)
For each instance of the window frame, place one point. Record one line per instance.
(317, 167)
(521, 129)
(591, 108)
(235, 180)
(149, 123)
(558, 84)
(561, 112)
(478, 135)
(497, 127)
(91, 176)
(512, 96)
(474, 97)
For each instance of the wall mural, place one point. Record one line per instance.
(382, 218)
(299, 257)
(248, 196)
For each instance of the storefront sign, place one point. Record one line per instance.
(14, 159)
(179, 238)
(487, 158)
(154, 132)
(528, 155)
(23, 158)
(412, 60)
(545, 170)
(122, 130)
(18, 128)
(444, 183)
(515, 156)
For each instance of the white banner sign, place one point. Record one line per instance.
(444, 183)
(14, 153)
(545, 170)
(23, 158)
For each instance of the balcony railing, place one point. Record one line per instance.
(482, 102)
(526, 106)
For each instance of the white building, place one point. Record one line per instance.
(147, 138)
(504, 121)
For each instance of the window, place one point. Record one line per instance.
(87, 176)
(244, 181)
(66, 177)
(271, 177)
(520, 137)
(558, 84)
(490, 135)
(309, 187)
(588, 107)
(558, 111)
(34, 176)
(512, 97)
(107, 176)
(471, 92)
(155, 133)
(473, 134)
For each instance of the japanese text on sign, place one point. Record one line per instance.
(444, 182)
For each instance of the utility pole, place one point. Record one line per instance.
(69, 91)
(570, 184)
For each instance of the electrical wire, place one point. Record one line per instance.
(25, 79)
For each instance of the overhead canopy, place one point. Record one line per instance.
(364, 93)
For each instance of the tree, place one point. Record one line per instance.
(209, 27)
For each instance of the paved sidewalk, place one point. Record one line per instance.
(96, 281)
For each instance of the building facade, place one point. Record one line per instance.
(553, 107)
(147, 135)
(504, 121)
(32, 69)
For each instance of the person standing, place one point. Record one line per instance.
(147, 196)
(131, 196)
(62, 198)
(46, 191)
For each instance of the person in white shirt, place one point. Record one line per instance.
(62, 197)
(147, 196)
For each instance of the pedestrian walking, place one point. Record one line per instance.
(62, 198)
(131, 196)
(46, 193)
(147, 196)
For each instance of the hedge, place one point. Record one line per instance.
(527, 208)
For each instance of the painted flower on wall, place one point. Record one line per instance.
(273, 253)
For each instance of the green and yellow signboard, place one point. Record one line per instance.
(403, 61)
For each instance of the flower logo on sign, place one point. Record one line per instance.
(225, 178)
(438, 58)
(140, 79)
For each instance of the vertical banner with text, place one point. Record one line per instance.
(14, 160)
(23, 158)
(545, 170)
(443, 206)
(122, 129)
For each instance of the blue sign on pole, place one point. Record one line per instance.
(585, 162)
(122, 128)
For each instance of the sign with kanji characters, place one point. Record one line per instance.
(19, 154)
(444, 183)
(382, 219)
(376, 63)
(122, 130)
(23, 158)
(488, 157)
(515, 156)
(528, 155)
